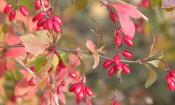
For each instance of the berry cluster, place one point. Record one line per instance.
(170, 80)
(45, 19)
(81, 91)
(116, 63)
(8, 9)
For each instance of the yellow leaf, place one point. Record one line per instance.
(55, 61)
(152, 77)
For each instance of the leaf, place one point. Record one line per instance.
(15, 52)
(91, 46)
(63, 56)
(23, 88)
(55, 61)
(97, 60)
(154, 3)
(39, 62)
(125, 12)
(44, 70)
(168, 4)
(81, 4)
(5, 28)
(73, 61)
(152, 77)
(36, 44)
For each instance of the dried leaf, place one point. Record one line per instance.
(152, 77)
(36, 44)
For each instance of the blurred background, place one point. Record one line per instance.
(77, 24)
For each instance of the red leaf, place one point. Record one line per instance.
(125, 12)
(2, 68)
(15, 52)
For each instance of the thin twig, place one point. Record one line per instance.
(26, 68)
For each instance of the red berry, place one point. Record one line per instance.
(57, 19)
(32, 82)
(168, 79)
(79, 97)
(78, 89)
(119, 66)
(37, 4)
(113, 16)
(127, 54)
(118, 37)
(88, 91)
(7, 8)
(56, 27)
(116, 59)
(115, 102)
(112, 71)
(128, 41)
(107, 63)
(12, 15)
(59, 90)
(73, 74)
(49, 24)
(40, 16)
(145, 3)
(172, 73)
(41, 23)
(171, 86)
(40, 28)
(24, 11)
(46, 3)
(73, 87)
(126, 69)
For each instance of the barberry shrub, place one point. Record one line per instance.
(34, 66)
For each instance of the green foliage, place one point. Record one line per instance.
(14, 75)
(155, 3)
(152, 77)
(39, 62)
(80, 4)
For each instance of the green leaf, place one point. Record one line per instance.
(55, 61)
(39, 62)
(81, 4)
(14, 75)
(154, 3)
(5, 28)
(63, 56)
(152, 77)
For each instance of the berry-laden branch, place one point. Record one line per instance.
(50, 75)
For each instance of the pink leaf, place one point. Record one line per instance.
(91, 46)
(73, 61)
(12, 39)
(24, 89)
(2, 67)
(125, 12)
(127, 25)
(15, 52)
(97, 60)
